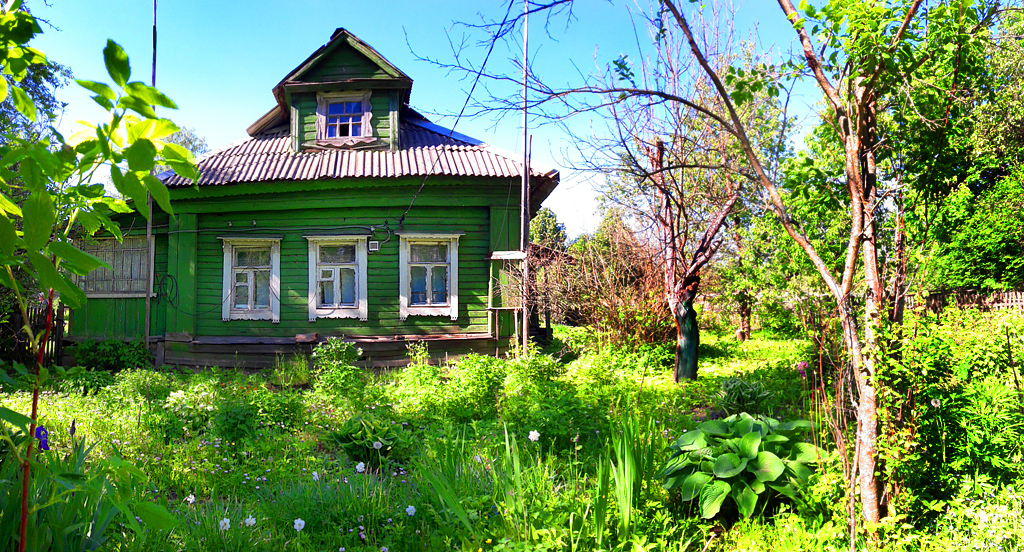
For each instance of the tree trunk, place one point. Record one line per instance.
(687, 333)
(744, 309)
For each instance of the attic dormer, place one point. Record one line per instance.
(345, 95)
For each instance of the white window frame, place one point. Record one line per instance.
(359, 310)
(325, 98)
(406, 310)
(117, 264)
(228, 310)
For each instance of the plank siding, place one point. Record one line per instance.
(344, 63)
(293, 215)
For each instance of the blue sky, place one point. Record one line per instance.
(219, 60)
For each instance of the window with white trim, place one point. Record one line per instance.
(337, 277)
(343, 118)
(252, 282)
(129, 268)
(428, 275)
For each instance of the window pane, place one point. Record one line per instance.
(439, 284)
(356, 129)
(327, 293)
(418, 285)
(428, 253)
(327, 274)
(332, 131)
(348, 286)
(252, 256)
(338, 253)
(336, 108)
(241, 296)
(353, 107)
(262, 291)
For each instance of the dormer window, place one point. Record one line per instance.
(343, 118)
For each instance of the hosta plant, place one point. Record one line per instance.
(743, 459)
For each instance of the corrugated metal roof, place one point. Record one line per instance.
(427, 150)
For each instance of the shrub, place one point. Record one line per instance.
(111, 354)
(472, 388)
(365, 438)
(281, 409)
(738, 395)
(743, 460)
(336, 376)
(193, 407)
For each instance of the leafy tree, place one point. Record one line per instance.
(547, 231)
(56, 175)
(188, 139)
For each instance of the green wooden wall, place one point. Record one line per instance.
(122, 317)
(477, 208)
(342, 63)
(383, 105)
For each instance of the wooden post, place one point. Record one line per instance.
(524, 227)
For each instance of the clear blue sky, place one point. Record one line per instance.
(219, 60)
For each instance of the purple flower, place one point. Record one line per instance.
(41, 434)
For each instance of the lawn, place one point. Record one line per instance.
(555, 450)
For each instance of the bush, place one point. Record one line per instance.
(365, 438)
(471, 391)
(336, 376)
(746, 461)
(112, 354)
(738, 395)
(194, 407)
(281, 409)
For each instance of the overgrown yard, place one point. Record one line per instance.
(523, 453)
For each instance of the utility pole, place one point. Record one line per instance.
(524, 225)
(149, 221)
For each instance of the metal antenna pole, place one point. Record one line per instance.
(524, 226)
(149, 221)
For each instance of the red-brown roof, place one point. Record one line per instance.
(426, 150)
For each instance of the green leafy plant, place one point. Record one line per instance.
(743, 460)
(365, 438)
(738, 395)
(112, 354)
(337, 376)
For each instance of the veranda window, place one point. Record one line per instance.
(129, 268)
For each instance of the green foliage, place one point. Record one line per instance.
(365, 438)
(745, 460)
(545, 230)
(85, 381)
(194, 407)
(111, 354)
(472, 387)
(738, 395)
(292, 371)
(337, 377)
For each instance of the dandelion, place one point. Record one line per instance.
(936, 403)
(377, 445)
(225, 524)
(316, 476)
(534, 435)
(249, 521)
(360, 467)
(191, 499)
(411, 510)
(299, 524)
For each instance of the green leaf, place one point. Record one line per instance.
(9, 206)
(784, 489)
(129, 185)
(799, 470)
(807, 453)
(38, 220)
(155, 516)
(117, 63)
(150, 95)
(138, 106)
(76, 260)
(690, 486)
(766, 467)
(16, 419)
(714, 427)
(98, 88)
(749, 445)
(140, 155)
(3, 89)
(8, 236)
(712, 496)
(745, 498)
(23, 103)
(152, 129)
(159, 193)
(728, 465)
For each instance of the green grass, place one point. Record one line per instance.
(460, 456)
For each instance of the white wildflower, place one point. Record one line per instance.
(411, 510)
(249, 521)
(299, 524)
(360, 467)
(534, 435)
(316, 476)
(191, 499)
(225, 524)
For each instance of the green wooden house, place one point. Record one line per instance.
(344, 213)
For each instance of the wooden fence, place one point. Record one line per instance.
(16, 341)
(971, 298)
